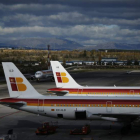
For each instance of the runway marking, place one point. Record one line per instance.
(9, 114)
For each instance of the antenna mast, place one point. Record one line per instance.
(48, 57)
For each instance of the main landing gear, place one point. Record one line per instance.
(38, 80)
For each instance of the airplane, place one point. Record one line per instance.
(24, 97)
(67, 86)
(43, 74)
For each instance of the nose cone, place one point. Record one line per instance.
(38, 74)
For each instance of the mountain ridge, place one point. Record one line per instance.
(41, 43)
(113, 45)
(63, 44)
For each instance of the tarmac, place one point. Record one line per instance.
(25, 124)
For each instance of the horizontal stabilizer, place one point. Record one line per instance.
(59, 93)
(12, 104)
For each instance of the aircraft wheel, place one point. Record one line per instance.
(38, 80)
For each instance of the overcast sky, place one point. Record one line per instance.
(87, 22)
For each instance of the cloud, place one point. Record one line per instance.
(65, 19)
(84, 21)
(34, 8)
(85, 34)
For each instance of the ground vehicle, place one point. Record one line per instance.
(83, 131)
(4, 137)
(46, 129)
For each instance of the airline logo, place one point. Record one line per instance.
(17, 84)
(61, 77)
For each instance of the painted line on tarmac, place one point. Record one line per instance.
(9, 114)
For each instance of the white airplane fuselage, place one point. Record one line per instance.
(65, 84)
(98, 91)
(43, 74)
(68, 107)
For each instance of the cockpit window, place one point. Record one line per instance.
(38, 74)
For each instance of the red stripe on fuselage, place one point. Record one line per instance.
(73, 101)
(96, 90)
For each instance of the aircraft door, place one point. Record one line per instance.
(80, 114)
(108, 106)
(40, 105)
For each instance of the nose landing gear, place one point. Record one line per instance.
(38, 80)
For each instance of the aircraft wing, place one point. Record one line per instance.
(119, 117)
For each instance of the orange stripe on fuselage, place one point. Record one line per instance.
(99, 91)
(71, 101)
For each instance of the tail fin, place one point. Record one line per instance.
(62, 77)
(17, 84)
